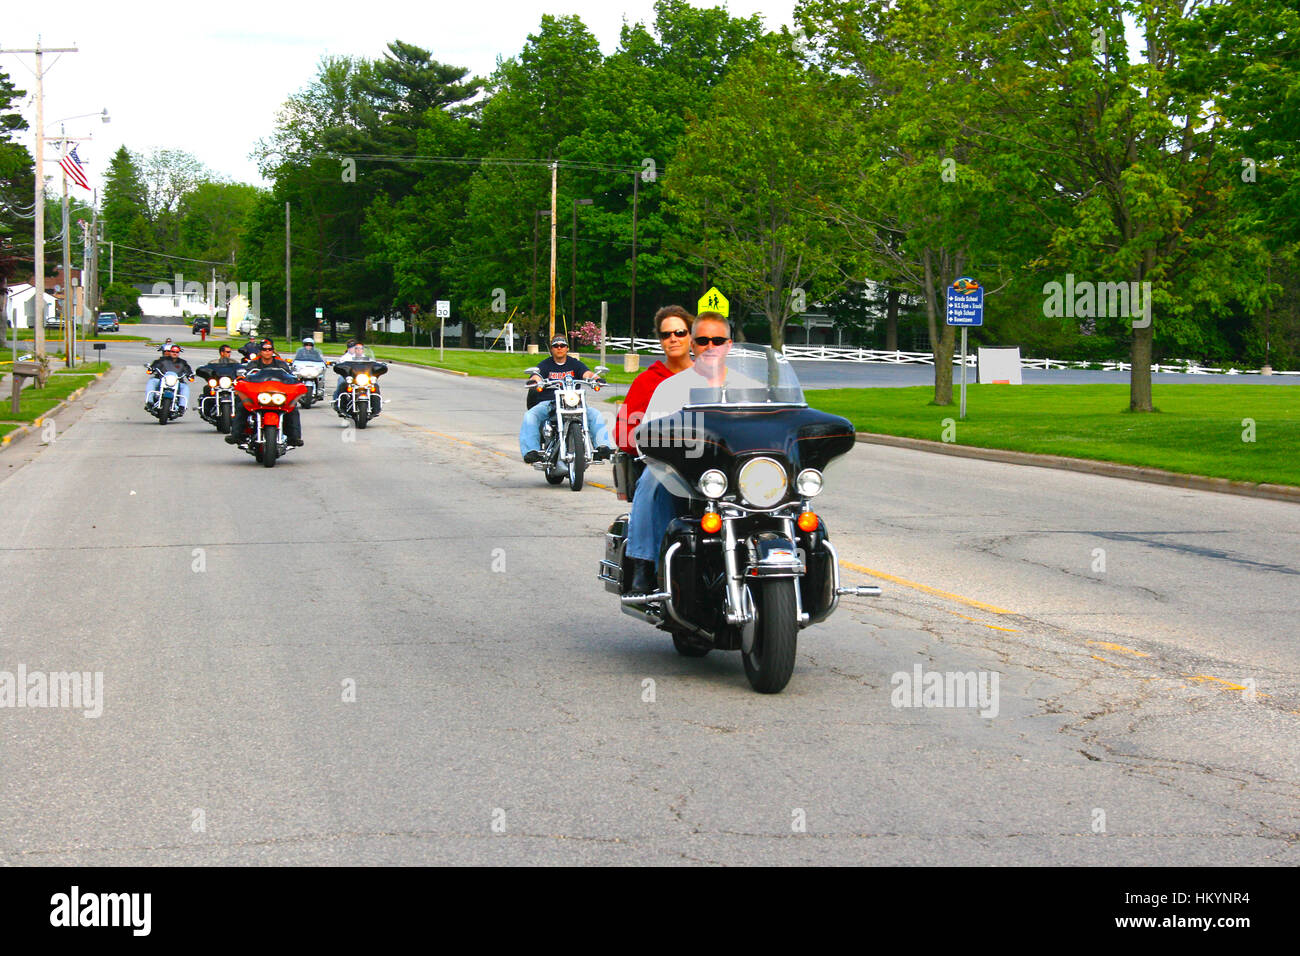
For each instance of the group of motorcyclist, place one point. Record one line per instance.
(256, 353)
(685, 339)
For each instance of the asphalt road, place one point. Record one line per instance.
(392, 648)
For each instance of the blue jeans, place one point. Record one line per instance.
(653, 507)
(154, 386)
(530, 432)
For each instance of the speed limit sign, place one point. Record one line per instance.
(444, 309)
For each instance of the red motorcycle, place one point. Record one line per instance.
(268, 395)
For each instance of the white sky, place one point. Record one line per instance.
(210, 79)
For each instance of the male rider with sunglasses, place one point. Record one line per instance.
(266, 359)
(559, 366)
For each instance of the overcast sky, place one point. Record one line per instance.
(209, 80)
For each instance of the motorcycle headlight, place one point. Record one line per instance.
(170, 379)
(808, 483)
(264, 398)
(763, 482)
(224, 381)
(712, 484)
(571, 399)
(363, 379)
(349, 379)
(277, 398)
(212, 383)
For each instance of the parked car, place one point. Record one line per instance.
(249, 324)
(53, 321)
(107, 322)
(201, 324)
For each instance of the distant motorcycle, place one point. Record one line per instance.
(311, 374)
(566, 441)
(267, 395)
(166, 405)
(217, 401)
(360, 399)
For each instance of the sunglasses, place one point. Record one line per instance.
(267, 348)
(712, 340)
(678, 333)
(559, 346)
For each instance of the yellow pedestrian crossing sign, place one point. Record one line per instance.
(714, 301)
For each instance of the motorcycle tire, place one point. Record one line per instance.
(770, 662)
(687, 649)
(553, 479)
(270, 446)
(305, 401)
(361, 416)
(223, 421)
(578, 466)
(164, 410)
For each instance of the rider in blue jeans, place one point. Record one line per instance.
(559, 366)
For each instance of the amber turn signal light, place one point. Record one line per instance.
(808, 521)
(711, 523)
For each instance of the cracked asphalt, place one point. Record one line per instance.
(392, 649)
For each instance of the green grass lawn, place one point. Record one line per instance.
(1198, 430)
(498, 364)
(34, 402)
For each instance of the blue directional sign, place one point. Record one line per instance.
(965, 305)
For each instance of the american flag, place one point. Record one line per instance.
(71, 165)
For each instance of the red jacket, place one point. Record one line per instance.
(638, 398)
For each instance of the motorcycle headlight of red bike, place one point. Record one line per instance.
(264, 398)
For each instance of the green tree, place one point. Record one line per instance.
(756, 181)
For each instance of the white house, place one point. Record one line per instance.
(163, 301)
(16, 305)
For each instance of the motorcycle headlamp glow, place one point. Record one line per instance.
(224, 381)
(712, 484)
(571, 399)
(264, 398)
(170, 379)
(809, 483)
(212, 382)
(363, 379)
(763, 482)
(277, 398)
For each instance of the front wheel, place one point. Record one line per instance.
(223, 421)
(270, 445)
(164, 409)
(770, 661)
(361, 415)
(579, 448)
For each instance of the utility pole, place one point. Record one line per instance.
(38, 251)
(69, 360)
(554, 174)
(573, 268)
(287, 278)
(631, 328)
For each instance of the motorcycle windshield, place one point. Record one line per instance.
(743, 403)
(270, 374)
(355, 366)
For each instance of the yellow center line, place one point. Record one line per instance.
(975, 620)
(960, 599)
(1118, 647)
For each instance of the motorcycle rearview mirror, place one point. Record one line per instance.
(602, 369)
(532, 370)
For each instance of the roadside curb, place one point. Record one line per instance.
(1105, 469)
(22, 430)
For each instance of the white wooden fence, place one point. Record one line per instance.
(831, 353)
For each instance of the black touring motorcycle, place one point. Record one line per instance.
(359, 400)
(750, 563)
